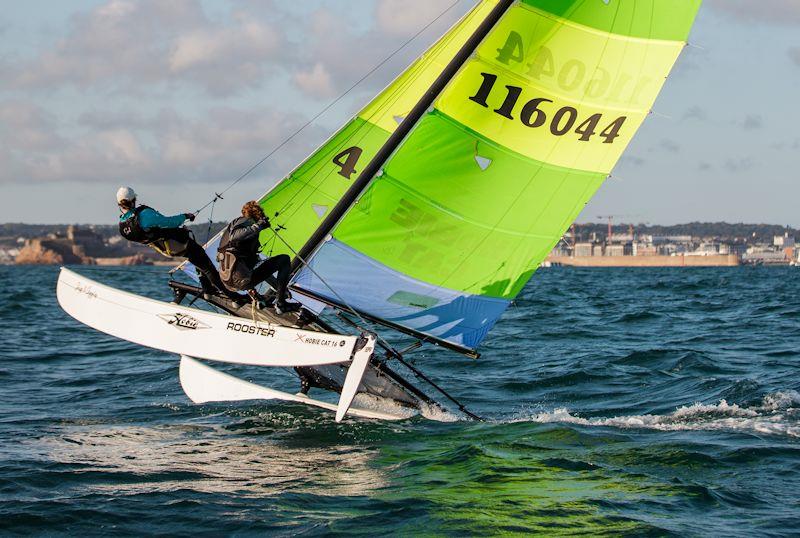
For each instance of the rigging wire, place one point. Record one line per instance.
(325, 283)
(217, 196)
(418, 373)
(327, 107)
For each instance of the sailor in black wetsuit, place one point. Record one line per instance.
(239, 262)
(142, 224)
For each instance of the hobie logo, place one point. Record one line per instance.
(183, 321)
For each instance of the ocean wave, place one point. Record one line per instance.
(637, 316)
(777, 414)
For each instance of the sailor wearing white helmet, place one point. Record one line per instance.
(145, 225)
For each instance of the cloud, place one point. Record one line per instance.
(395, 18)
(199, 48)
(112, 119)
(164, 147)
(27, 127)
(752, 122)
(633, 160)
(135, 47)
(785, 12)
(695, 113)
(124, 48)
(226, 59)
(128, 46)
(739, 165)
(704, 166)
(794, 55)
(39, 149)
(670, 146)
(316, 82)
(336, 53)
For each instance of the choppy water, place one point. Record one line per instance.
(620, 401)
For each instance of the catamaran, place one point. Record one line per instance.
(428, 211)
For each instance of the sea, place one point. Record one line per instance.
(616, 402)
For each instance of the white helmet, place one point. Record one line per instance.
(125, 194)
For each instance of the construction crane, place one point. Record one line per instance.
(610, 219)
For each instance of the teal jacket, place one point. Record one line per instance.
(150, 218)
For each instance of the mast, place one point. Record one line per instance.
(397, 137)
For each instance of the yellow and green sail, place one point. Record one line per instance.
(491, 177)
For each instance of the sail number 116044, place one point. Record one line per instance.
(534, 114)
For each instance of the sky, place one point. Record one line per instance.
(179, 98)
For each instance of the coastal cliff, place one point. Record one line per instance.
(79, 246)
(49, 252)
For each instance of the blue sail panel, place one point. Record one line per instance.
(382, 292)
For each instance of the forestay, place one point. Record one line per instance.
(492, 176)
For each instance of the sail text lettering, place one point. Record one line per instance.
(572, 75)
(347, 159)
(534, 114)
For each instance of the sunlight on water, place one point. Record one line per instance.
(171, 458)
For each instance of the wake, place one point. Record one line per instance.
(777, 414)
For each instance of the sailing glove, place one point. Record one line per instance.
(189, 216)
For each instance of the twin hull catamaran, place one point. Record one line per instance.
(429, 210)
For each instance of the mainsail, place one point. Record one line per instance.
(455, 217)
(461, 215)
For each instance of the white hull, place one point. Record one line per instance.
(197, 333)
(203, 384)
(207, 335)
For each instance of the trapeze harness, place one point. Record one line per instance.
(170, 242)
(235, 272)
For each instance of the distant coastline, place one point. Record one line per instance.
(679, 260)
(685, 245)
(596, 244)
(54, 244)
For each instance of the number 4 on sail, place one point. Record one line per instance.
(428, 211)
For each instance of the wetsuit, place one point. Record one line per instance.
(239, 262)
(167, 235)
